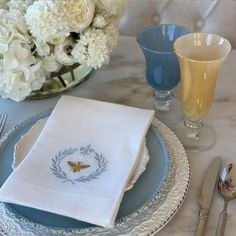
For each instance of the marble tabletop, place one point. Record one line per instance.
(123, 81)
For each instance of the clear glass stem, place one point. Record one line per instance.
(193, 128)
(195, 136)
(163, 99)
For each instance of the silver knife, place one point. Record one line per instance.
(206, 194)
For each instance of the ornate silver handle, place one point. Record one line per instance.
(222, 222)
(203, 217)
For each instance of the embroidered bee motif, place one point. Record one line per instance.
(77, 166)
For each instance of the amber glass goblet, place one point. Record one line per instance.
(200, 56)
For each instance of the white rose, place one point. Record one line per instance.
(80, 14)
(62, 55)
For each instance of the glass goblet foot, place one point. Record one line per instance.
(195, 136)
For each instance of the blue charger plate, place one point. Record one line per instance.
(148, 185)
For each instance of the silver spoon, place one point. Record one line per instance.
(227, 188)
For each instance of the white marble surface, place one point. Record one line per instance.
(123, 81)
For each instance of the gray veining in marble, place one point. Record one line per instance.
(123, 81)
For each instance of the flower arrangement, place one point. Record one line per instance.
(38, 37)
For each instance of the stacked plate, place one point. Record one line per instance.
(145, 209)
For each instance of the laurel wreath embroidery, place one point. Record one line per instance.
(86, 150)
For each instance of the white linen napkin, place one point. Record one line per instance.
(81, 163)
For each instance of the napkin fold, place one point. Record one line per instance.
(82, 161)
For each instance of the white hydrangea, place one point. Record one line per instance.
(12, 27)
(92, 49)
(50, 64)
(43, 49)
(20, 5)
(13, 84)
(19, 68)
(19, 73)
(47, 20)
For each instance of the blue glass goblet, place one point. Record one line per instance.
(162, 68)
